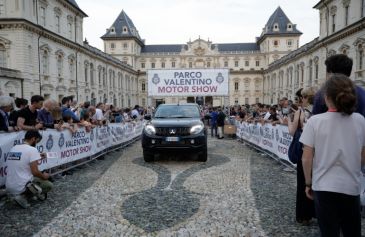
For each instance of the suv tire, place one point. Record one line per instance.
(148, 156)
(203, 156)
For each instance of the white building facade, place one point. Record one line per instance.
(42, 52)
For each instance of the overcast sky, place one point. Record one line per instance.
(177, 21)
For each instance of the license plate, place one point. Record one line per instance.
(172, 139)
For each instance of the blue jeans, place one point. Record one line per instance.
(213, 127)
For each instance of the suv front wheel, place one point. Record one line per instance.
(203, 156)
(148, 156)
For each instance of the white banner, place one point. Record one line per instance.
(194, 82)
(64, 147)
(274, 139)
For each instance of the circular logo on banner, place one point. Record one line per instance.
(61, 141)
(219, 78)
(155, 79)
(277, 135)
(49, 143)
(92, 134)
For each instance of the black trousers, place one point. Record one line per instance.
(304, 206)
(338, 212)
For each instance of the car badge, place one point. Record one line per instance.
(172, 131)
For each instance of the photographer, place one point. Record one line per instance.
(22, 163)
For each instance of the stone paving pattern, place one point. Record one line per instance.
(237, 192)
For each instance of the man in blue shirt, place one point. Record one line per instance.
(66, 103)
(338, 63)
(213, 121)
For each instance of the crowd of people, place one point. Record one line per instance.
(331, 126)
(17, 114)
(330, 121)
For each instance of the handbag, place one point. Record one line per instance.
(296, 148)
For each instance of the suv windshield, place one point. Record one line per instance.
(177, 111)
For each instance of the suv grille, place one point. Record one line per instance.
(172, 132)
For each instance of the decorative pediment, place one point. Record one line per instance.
(61, 88)
(331, 53)
(47, 87)
(12, 84)
(45, 47)
(359, 41)
(199, 51)
(60, 53)
(346, 3)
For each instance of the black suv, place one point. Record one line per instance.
(175, 128)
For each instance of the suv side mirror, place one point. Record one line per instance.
(147, 117)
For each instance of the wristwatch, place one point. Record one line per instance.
(309, 185)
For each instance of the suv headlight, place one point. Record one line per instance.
(196, 129)
(150, 130)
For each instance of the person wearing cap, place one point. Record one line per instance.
(22, 163)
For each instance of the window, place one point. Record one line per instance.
(360, 58)
(236, 86)
(2, 56)
(45, 57)
(172, 64)
(143, 102)
(72, 68)
(85, 73)
(236, 63)
(316, 70)
(208, 64)
(226, 64)
(112, 45)
(69, 26)
(143, 87)
(190, 64)
(346, 15)
(59, 65)
(125, 45)
(257, 63)
(2, 7)
(153, 65)
(43, 16)
(247, 63)
(246, 101)
(276, 43)
(162, 65)
(257, 100)
(236, 101)
(290, 42)
(92, 74)
(333, 23)
(58, 28)
(143, 65)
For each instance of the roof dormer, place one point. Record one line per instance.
(289, 27)
(276, 27)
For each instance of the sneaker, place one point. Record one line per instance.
(22, 201)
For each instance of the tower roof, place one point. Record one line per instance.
(122, 27)
(279, 24)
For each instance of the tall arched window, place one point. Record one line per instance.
(92, 74)
(2, 56)
(86, 70)
(45, 62)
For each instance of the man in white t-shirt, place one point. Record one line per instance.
(22, 168)
(98, 117)
(135, 113)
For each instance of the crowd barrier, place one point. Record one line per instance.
(273, 139)
(65, 148)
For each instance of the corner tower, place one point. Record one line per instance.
(122, 40)
(279, 36)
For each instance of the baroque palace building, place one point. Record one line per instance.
(42, 52)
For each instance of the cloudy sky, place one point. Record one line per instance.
(177, 21)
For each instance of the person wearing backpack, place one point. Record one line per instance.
(304, 208)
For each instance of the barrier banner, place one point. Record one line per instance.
(64, 147)
(274, 139)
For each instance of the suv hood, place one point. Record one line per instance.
(175, 122)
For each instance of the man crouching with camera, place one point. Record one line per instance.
(24, 180)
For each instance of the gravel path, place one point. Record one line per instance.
(237, 192)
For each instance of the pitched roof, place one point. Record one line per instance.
(74, 4)
(279, 19)
(238, 47)
(122, 27)
(167, 48)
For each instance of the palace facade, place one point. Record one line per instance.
(42, 52)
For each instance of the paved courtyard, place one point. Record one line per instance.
(237, 192)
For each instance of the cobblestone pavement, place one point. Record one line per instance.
(237, 192)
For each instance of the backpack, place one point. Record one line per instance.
(296, 147)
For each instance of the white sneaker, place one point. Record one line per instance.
(22, 201)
